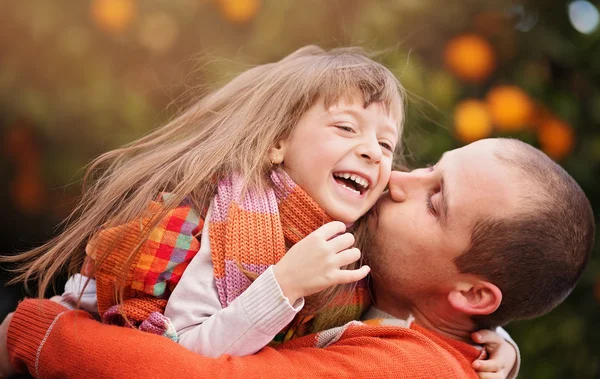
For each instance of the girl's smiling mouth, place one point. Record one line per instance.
(355, 183)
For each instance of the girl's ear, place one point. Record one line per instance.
(277, 152)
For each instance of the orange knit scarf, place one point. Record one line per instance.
(248, 232)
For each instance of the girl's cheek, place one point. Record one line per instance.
(377, 192)
(386, 172)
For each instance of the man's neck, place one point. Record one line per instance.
(430, 314)
(452, 327)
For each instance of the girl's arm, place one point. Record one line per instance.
(245, 326)
(253, 319)
(76, 287)
(80, 289)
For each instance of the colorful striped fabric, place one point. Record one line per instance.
(157, 266)
(248, 233)
(172, 246)
(248, 230)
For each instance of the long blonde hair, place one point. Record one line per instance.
(229, 130)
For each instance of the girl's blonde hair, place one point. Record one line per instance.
(229, 130)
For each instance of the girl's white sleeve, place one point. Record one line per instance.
(515, 370)
(74, 287)
(244, 327)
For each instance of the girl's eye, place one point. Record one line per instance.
(430, 206)
(386, 146)
(345, 128)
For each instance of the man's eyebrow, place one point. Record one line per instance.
(441, 158)
(445, 209)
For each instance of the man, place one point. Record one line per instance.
(494, 232)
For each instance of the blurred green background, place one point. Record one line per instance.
(78, 78)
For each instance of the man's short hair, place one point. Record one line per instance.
(537, 256)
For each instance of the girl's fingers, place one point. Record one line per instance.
(490, 375)
(487, 337)
(341, 242)
(346, 257)
(87, 269)
(331, 229)
(351, 276)
(489, 365)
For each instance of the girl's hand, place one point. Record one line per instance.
(57, 299)
(314, 263)
(87, 269)
(6, 368)
(501, 355)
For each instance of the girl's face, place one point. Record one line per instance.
(341, 156)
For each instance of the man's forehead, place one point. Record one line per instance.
(480, 185)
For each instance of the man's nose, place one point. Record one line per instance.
(396, 185)
(403, 184)
(370, 150)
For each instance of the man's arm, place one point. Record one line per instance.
(51, 341)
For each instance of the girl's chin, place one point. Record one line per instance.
(344, 216)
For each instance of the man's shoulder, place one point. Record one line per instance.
(415, 348)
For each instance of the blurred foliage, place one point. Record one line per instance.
(78, 78)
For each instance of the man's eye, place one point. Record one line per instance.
(345, 128)
(430, 206)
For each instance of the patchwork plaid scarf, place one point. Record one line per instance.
(248, 232)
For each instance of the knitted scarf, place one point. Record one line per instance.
(248, 232)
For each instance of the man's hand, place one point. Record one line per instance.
(6, 368)
(501, 356)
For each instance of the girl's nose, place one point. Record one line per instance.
(371, 151)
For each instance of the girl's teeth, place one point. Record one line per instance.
(351, 189)
(357, 179)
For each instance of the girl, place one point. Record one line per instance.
(258, 167)
(228, 187)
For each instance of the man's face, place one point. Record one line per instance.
(426, 218)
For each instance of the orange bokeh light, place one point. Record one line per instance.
(472, 121)
(28, 192)
(556, 137)
(239, 11)
(470, 57)
(113, 15)
(510, 107)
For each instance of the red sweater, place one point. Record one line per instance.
(52, 342)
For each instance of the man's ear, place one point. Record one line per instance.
(277, 152)
(475, 298)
